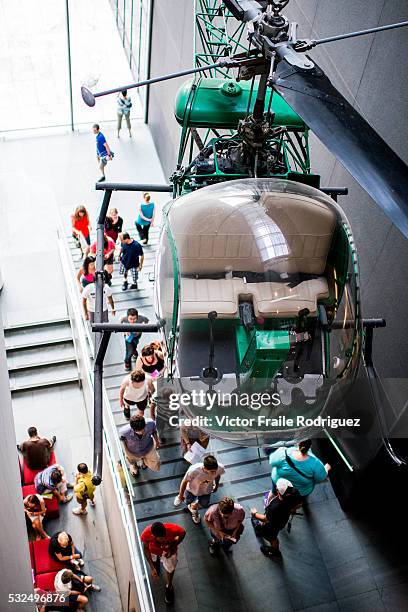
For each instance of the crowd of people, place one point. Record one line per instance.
(295, 472)
(50, 480)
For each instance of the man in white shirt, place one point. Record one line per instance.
(74, 587)
(200, 480)
(89, 302)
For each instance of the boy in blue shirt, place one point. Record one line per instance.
(132, 338)
(103, 152)
(131, 258)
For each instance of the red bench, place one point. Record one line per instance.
(45, 581)
(50, 504)
(44, 563)
(29, 475)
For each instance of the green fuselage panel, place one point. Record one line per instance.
(261, 352)
(221, 103)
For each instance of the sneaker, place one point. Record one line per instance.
(96, 588)
(271, 552)
(79, 510)
(141, 464)
(102, 179)
(177, 501)
(134, 286)
(194, 515)
(128, 367)
(124, 286)
(213, 548)
(67, 498)
(169, 595)
(126, 413)
(81, 562)
(134, 471)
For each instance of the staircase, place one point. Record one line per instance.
(40, 355)
(247, 471)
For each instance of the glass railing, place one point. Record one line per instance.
(114, 459)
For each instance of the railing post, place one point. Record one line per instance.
(98, 364)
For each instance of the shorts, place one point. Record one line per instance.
(142, 405)
(42, 489)
(109, 260)
(169, 563)
(33, 517)
(102, 160)
(203, 500)
(151, 458)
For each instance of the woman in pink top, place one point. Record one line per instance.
(108, 252)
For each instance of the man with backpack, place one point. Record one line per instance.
(84, 489)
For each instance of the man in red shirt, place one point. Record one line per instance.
(160, 542)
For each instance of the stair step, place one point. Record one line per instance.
(26, 337)
(47, 323)
(48, 355)
(45, 376)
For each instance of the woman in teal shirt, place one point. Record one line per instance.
(298, 465)
(145, 218)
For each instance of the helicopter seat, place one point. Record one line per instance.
(280, 300)
(201, 296)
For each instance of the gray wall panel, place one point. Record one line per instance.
(372, 73)
(15, 569)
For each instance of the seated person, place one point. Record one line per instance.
(52, 480)
(74, 587)
(61, 548)
(36, 450)
(34, 507)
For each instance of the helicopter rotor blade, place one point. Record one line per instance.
(89, 97)
(390, 26)
(349, 137)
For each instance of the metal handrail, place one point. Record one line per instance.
(110, 434)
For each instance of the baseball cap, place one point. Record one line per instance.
(282, 484)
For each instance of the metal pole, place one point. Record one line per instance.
(391, 26)
(149, 61)
(98, 365)
(69, 64)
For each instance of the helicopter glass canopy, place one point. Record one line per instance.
(273, 261)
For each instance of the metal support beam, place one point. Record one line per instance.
(125, 327)
(369, 326)
(133, 187)
(69, 63)
(103, 345)
(99, 346)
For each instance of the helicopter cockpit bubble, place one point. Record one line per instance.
(285, 251)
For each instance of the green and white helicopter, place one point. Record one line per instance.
(256, 282)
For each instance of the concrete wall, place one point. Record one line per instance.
(372, 73)
(15, 569)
